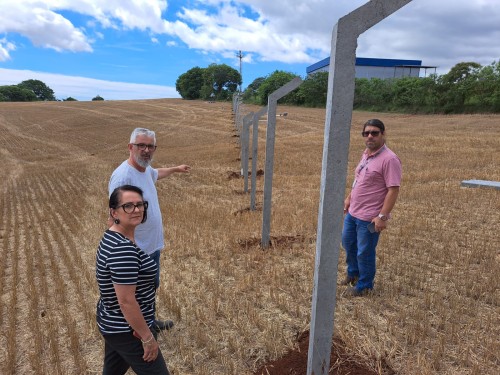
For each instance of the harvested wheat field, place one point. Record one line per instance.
(240, 309)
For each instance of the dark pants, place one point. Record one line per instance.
(123, 350)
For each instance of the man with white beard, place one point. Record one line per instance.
(137, 171)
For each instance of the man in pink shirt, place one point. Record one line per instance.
(368, 207)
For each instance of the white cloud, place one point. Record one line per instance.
(126, 14)
(82, 88)
(229, 31)
(295, 31)
(39, 20)
(437, 33)
(291, 31)
(5, 48)
(45, 28)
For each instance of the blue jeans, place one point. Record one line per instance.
(359, 245)
(156, 257)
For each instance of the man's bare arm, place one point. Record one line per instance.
(165, 172)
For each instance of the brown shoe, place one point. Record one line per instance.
(352, 291)
(350, 280)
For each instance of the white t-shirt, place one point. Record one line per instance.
(149, 235)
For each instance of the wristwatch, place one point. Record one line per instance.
(383, 217)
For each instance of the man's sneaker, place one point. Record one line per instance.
(162, 325)
(349, 280)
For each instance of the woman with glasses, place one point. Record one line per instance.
(137, 171)
(126, 279)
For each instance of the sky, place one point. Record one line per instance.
(136, 49)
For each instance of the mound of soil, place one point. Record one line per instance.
(231, 175)
(295, 361)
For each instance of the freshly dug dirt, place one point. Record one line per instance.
(295, 361)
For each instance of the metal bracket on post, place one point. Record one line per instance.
(334, 173)
(244, 140)
(255, 146)
(272, 103)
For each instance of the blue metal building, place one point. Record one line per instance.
(377, 68)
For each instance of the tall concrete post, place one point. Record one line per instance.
(235, 98)
(255, 147)
(240, 116)
(272, 102)
(244, 139)
(334, 172)
(237, 116)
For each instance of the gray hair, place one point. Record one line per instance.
(142, 131)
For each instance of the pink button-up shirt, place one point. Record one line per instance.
(373, 176)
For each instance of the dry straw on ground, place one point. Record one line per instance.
(436, 305)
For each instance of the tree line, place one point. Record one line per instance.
(467, 88)
(26, 91)
(31, 90)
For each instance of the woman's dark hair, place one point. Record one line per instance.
(114, 198)
(375, 122)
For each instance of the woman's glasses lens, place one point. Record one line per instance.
(130, 207)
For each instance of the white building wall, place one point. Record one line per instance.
(381, 72)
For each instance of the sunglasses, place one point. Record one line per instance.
(373, 133)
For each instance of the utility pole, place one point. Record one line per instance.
(240, 55)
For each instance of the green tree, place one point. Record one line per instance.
(374, 93)
(405, 91)
(251, 92)
(70, 99)
(273, 82)
(40, 89)
(97, 98)
(457, 86)
(427, 99)
(15, 93)
(486, 95)
(461, 72)
(189, 84)
(221, 80)
(314, 89)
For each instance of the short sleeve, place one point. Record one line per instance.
(393, 172)
(124, 265)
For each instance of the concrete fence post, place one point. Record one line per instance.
(272, 103)
(334, 173)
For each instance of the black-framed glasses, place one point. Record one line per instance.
(143, 146)
(130, 207)
(373, 133)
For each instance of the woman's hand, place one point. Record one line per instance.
(150, 347)
(132, 313)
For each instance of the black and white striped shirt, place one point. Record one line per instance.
(120, 261)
